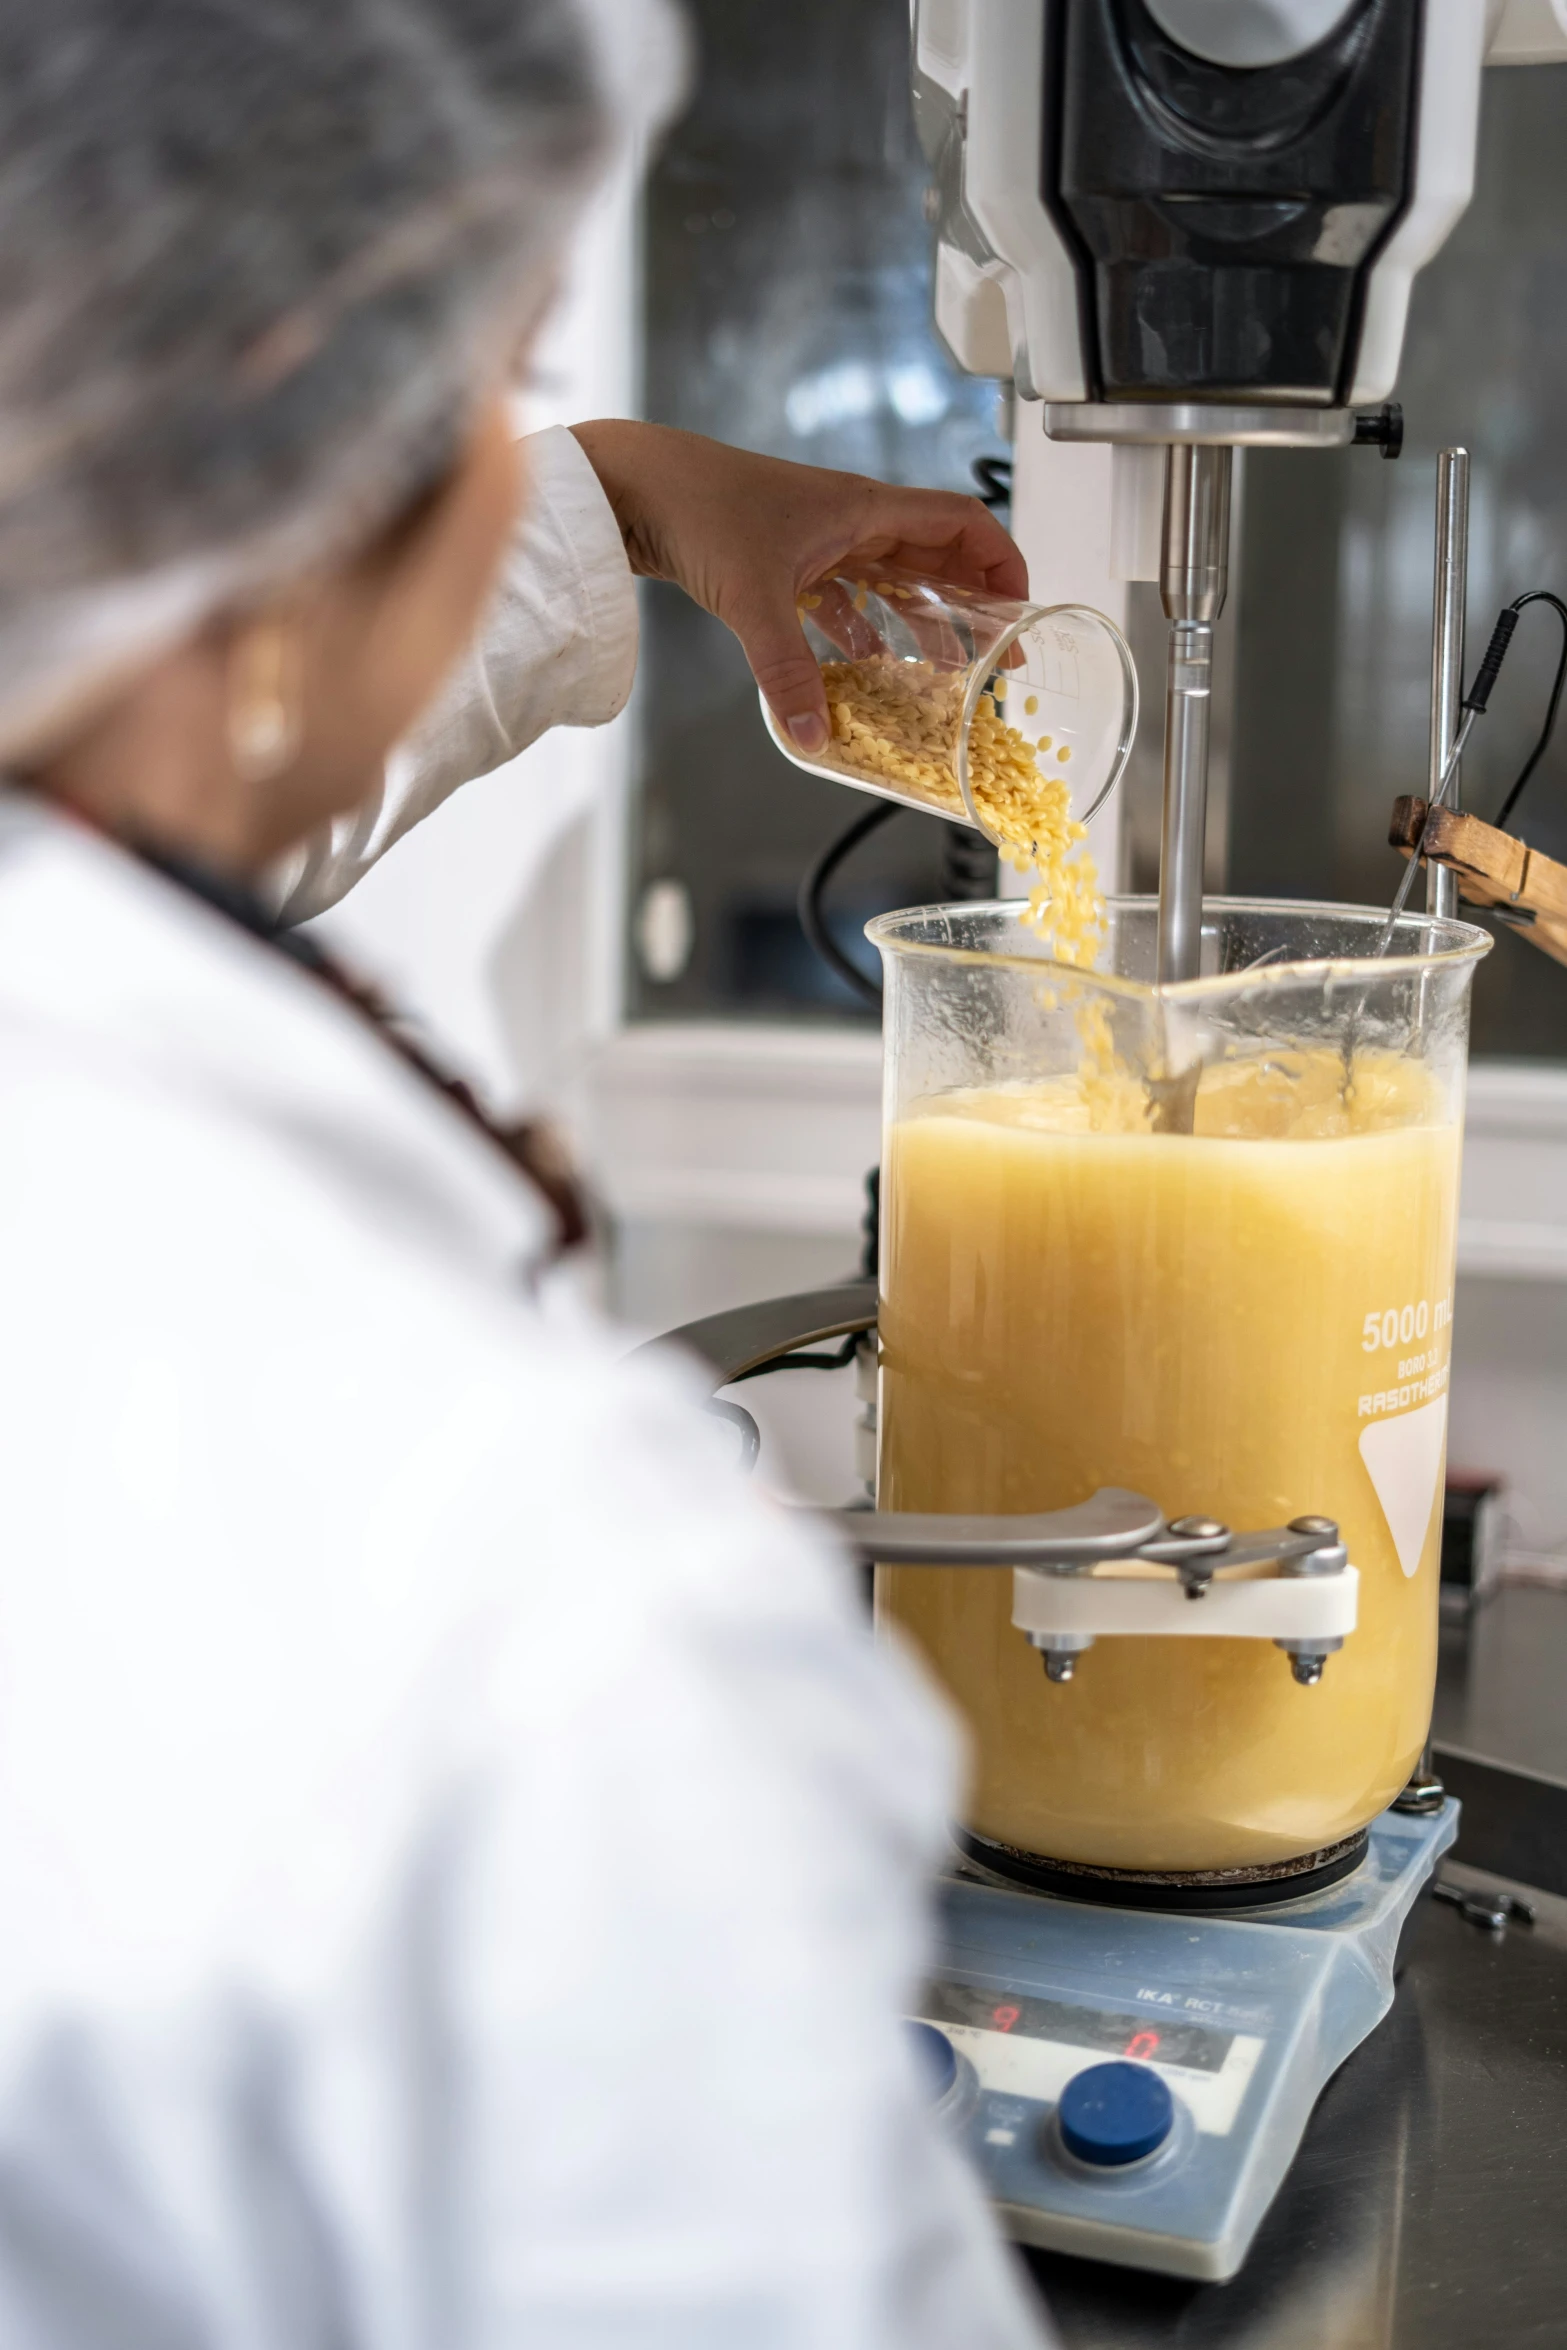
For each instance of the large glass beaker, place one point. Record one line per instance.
(1198, 1241)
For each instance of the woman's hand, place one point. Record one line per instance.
(746, 536)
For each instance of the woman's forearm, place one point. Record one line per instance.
(746, 535)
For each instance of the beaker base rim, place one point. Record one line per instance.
(1253, 1887)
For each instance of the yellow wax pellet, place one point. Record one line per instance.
(897, 722)
(1031, 705)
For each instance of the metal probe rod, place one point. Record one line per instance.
(1438, 799)
(1449, 598)
(1193, 576)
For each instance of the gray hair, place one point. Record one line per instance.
(258, 260)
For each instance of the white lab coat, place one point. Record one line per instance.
(461, 1855)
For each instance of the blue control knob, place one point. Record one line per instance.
(935, 2058)
(1115, 2113)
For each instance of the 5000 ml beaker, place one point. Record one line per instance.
(968, 704)
(1250, 1319)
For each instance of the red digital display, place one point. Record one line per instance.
(1194, 2045)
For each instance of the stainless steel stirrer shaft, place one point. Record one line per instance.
(1193, 577)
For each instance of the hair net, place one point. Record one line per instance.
(258, 260)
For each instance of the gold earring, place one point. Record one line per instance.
(266, 702)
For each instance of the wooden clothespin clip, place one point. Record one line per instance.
(1524, 888)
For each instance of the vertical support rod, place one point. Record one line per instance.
(1448, 603)
(1193, 577)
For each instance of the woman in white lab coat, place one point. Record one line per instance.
(462, 1858)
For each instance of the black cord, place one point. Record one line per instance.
(809, 903)
(1539, 596)
(968, 864)
(993, 481)
(839, 1360)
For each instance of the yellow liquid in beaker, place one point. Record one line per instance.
(1215, 1320)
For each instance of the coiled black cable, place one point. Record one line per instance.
(968, 873)
(993, 481)
(1539, 596)
(809, 902)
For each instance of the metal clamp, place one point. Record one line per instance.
(1110, 1565)
(1113, 1566)
(1485, 1905)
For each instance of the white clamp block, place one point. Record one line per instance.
(1135, 1597)
(971, 313)
(1136, 509)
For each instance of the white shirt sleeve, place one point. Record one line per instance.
(558, 648)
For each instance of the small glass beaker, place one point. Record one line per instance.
(967, 704)
(1250, 1319)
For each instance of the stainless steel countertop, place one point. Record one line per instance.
(1427, 2208)
(1500, 1681)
